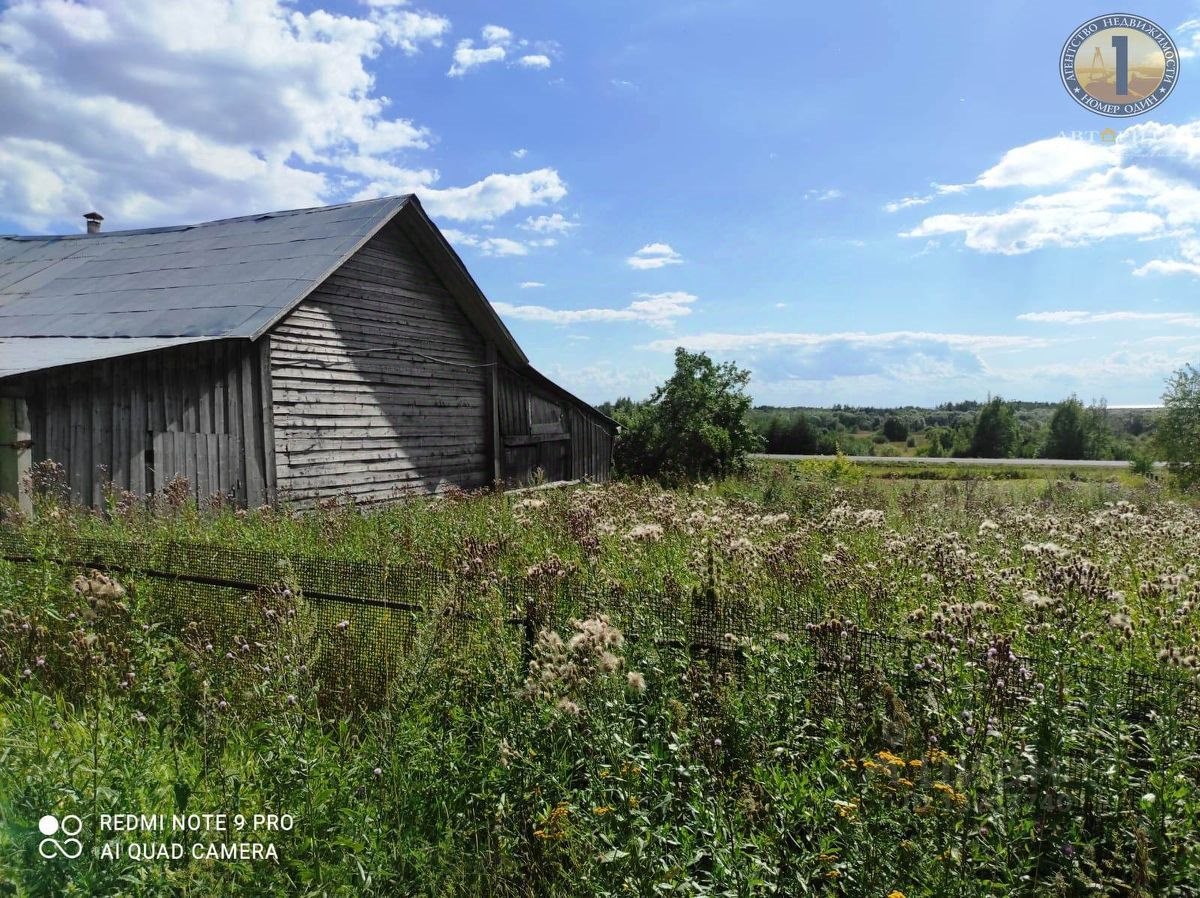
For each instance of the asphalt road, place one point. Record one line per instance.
(998, 462)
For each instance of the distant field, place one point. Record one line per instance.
(989, 469)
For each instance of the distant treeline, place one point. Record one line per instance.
(992, 429)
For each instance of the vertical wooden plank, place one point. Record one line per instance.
(266, 405)
(101, 423)
(492, 406)
(167, 373)
(187, 378)
(233, 416)
(79, 454)
(120, 424)
(16, 451)
(251, 431)
(154, 476)
(138, 428)
(204, 385)
(191, 449)
(220, 371)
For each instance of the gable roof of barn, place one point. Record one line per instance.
(81, 297)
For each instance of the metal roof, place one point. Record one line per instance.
(226, 278)
(78, 297)
(21, 355)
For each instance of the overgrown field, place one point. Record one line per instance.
(805, 681)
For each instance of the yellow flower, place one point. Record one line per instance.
(832, 874)
(633, 801)
(601, 810)
(915, 762)
(896, 893)
(826, 857)
(888, 758)
(952, 794)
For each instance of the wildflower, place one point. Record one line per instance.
(601, 810)
(568, 707)
(645, 533)
(343, 625)
(896, 893)
(378, 771)
(636, 681)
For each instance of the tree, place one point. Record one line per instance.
(895, 429)
(1068, 431)
(997, 433)
(693, 426)
(1178, 435)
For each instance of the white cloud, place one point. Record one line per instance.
(1187, 37)
(495, 34)
(489, 246)
(831, 193)
(488, 199)
(549, 224)
(497, 44)
(1078, 316)
(530, 285)
(907, 202)
(657, 309)
(725, 342)
(654, 255)
(1143, 186)
(1047, 162)
(467, 57)
(520, 153)
(158, 113)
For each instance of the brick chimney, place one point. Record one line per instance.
(93, 220)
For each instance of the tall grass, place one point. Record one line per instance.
(995, 695)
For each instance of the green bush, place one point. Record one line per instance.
(693, 427)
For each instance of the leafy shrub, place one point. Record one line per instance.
(693, 427)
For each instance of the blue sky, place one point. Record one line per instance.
(861, 205)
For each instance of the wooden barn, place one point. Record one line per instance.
(301, 355)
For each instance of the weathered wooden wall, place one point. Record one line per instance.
(140, 420)
(543, 429)
(379, 383)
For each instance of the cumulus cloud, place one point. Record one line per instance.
(549, 224)
(1142, 186)
(654, 255)
(498, 45)
(657, 309)
(158, 113)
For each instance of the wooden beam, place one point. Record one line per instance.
(16, 452)
(267, 405)
(493, 411)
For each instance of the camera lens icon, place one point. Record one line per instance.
(70, 826)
